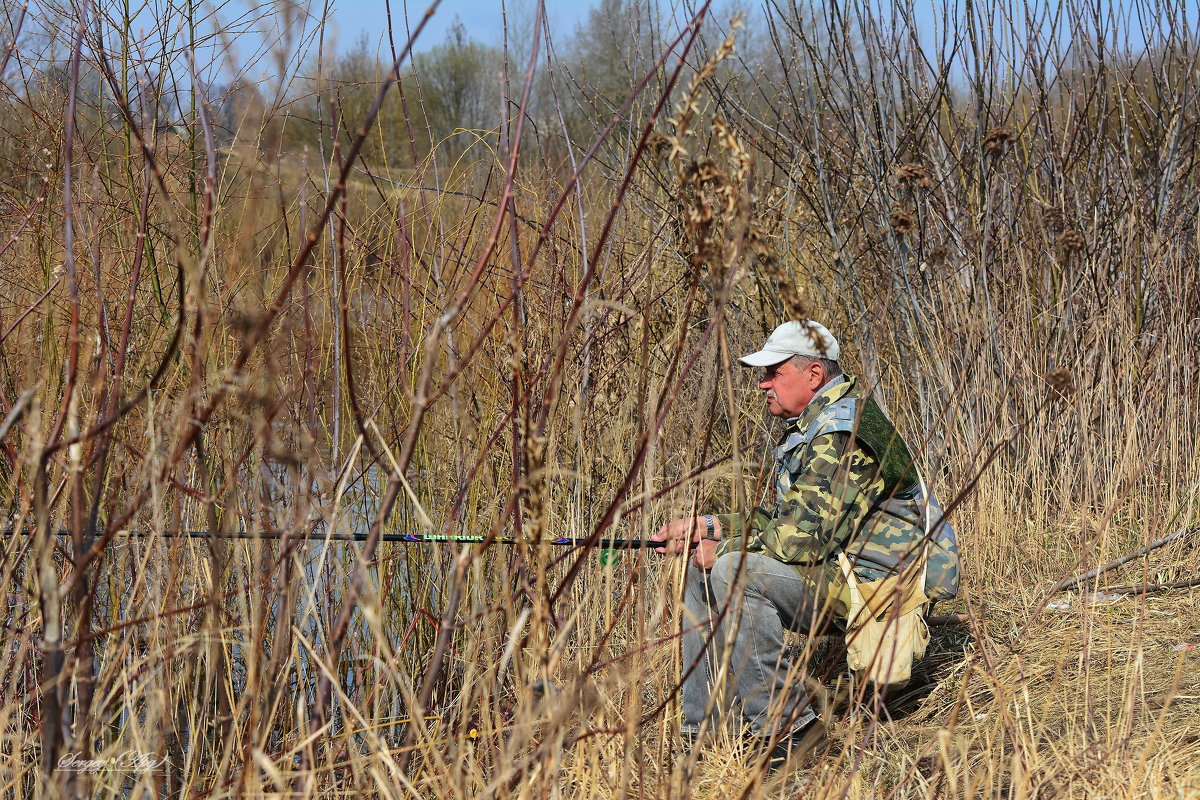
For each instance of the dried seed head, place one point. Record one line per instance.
(245, 320)
(1071, 242)
(1055, 220)
(939, 255)
(533, 479)
(708, 172)
(903, 221)
(793, 304)
(739, 154)
(998, 141)
(1061, 384)
(658, 144)
(699, 213)
(913, 175)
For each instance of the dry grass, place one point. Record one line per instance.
(487, 346)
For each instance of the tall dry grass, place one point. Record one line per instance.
(535, 337)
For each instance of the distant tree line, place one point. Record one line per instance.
(454, 97)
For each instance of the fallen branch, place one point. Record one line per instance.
(1153, 587)
(1071, 583)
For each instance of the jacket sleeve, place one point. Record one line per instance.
(833, 485)
(740, 531)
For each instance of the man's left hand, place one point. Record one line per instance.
(704, 554)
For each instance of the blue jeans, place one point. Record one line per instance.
(760, 597)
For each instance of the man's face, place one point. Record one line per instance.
(790, 388)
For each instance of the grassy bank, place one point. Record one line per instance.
(221, 314)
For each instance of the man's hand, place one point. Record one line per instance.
(681, 534)
(704, 554)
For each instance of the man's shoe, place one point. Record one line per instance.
(689, 753)
(798, 744)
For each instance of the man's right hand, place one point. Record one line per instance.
(678, 535)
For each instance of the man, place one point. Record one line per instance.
(847, 500)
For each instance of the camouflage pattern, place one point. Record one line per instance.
(909, 518)
(831, 495)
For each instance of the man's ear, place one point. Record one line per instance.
(816, 374)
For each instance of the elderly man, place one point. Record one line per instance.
(850, 513)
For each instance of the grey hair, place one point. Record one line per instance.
(831, 367)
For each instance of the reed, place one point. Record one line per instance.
(317, 306)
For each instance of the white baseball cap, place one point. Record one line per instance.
(805, 338)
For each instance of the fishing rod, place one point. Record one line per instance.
(564, 541)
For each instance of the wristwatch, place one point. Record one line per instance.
(711, 528)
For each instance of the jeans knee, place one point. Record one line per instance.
(726, 571)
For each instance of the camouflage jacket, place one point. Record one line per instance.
(834, 492)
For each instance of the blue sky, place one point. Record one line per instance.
(481, 18)
(352, 21)
(258, 32)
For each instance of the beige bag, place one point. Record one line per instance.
(885, 629)
(885, 626)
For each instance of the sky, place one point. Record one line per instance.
(255, 36)
(261, 31)
(482, 19)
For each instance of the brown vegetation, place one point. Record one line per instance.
(500, 291)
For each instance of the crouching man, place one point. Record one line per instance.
(853, 539)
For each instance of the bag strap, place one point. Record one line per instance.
(858, 604)
(927, 540)
(851, 579)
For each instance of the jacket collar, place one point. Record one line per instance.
(833, 390)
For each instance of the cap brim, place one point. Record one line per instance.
(764, 358)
